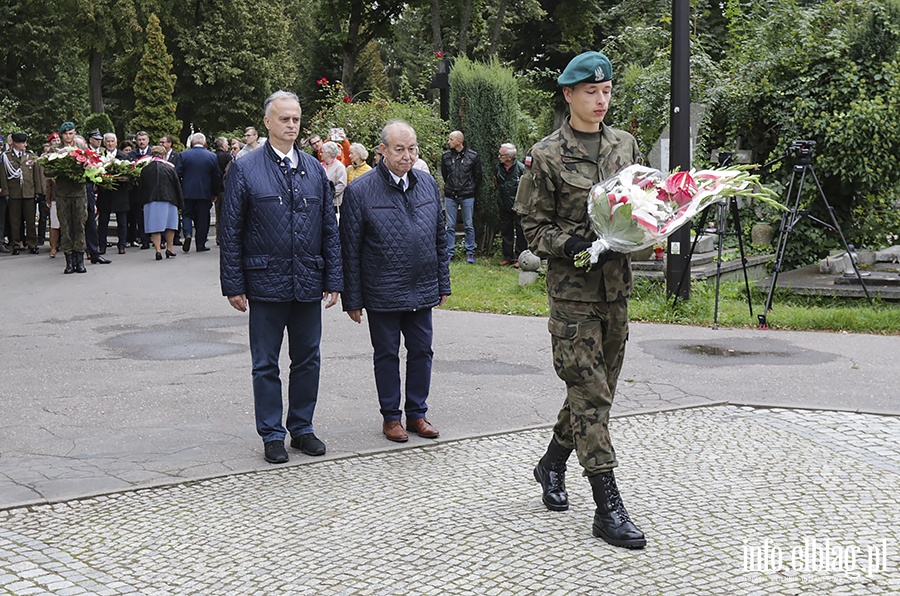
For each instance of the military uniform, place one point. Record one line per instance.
(71, 209)
(588, 308)
(23, 188)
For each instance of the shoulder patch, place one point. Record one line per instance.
(528, 161)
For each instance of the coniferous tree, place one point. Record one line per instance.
(154, 109)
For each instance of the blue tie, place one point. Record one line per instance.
(286, 165)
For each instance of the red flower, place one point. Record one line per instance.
(681, 187)
(347, 99)
(322, 81)
(439, 54)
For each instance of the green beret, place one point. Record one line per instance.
(589, 67)
(66, 126)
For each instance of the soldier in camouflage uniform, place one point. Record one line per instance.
(71, 208)
(588, 307)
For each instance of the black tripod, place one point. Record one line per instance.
(721, 230)
(804, 151)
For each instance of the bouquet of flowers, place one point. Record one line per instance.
(123, 170)
(640, 206)
(76, 165)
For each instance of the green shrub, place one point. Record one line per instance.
(363, 121)
(484, 106)
(101, 122)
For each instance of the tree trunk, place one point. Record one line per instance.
(95, 81)
(464, 28)
(498, 25)
(437, 41)
(351, 48)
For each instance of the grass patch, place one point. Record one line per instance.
(488, 287)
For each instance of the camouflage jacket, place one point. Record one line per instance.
(552, 200)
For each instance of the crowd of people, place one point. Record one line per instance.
(26, 224)
(298, 228)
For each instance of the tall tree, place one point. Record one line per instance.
(154, 87)
(354, 23)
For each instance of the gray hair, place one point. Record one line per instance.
(110, 135)
(360, 150)
(509, 148)
(386, 131)
(221, 143)
(198, 138)
(331, 148)
(279, 95)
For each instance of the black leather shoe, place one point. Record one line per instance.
(170, 254)
(70, 263)
(202, 248)
(145, 246)
(611, 521)
(15, 251)
(98, 260)
(186, 245)
(34, 250)
(309, 444)
(275, 452)
(550, 471)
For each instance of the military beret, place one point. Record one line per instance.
(19, 137)
(589, 67)
(65, 126)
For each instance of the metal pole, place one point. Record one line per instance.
(678, 264)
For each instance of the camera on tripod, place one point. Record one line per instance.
(802, 149)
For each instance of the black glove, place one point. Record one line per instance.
(39, 198)
(575, 245)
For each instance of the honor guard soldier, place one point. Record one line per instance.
(588, 307)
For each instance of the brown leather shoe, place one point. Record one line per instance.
(393, 430)
(423, 428)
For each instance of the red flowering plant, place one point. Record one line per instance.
(76, 165)
(641, 206)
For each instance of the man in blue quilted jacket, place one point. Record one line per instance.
(395, 267)
(281, 257)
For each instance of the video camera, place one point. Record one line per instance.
(802, 149)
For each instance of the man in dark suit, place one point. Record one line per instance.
(198, 170)
(114, 200)
(91, 237)
(136, 233)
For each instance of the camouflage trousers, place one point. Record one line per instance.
(72, 213)
(588, 340)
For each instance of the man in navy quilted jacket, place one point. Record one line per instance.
(395, 267)
(281, 257)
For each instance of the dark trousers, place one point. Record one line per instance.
(90, 225)
(385, 329)
(43, 222)
(21, 222)
(196, 218)
(103, 228)
(136, 224)
(268, 321)
(512, 238)
(3, 230)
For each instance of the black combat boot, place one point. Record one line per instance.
(70, 263)
(79, 262)
(611, 521)
(550, 471)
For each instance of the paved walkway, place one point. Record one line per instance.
(137, 375)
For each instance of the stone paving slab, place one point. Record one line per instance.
(719, 492)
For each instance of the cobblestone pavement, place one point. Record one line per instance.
(719, 491)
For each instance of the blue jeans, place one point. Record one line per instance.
(304, 325)
(468, 209)
(385, 329)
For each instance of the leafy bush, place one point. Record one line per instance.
(827, 71)
(484, 106)
(363, 121)
(101, 122)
